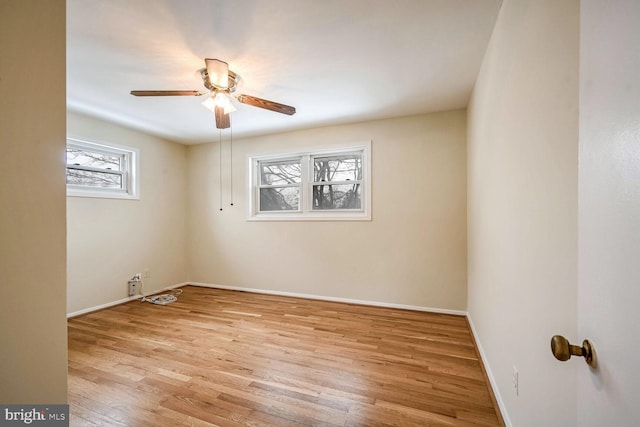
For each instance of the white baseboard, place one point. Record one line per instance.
(269, 292)
(122, 301)
(332, 299)
(492, 380)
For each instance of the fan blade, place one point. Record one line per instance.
(222, 119)
(218, 73)
(166, 93)
(268, 105)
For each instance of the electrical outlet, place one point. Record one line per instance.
(514, 379)
(133, 285)
(147, 273)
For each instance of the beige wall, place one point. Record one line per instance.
(33, 334)
(522, 206)
(413, 252)
(110, 240)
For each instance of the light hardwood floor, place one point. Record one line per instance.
(227, 358)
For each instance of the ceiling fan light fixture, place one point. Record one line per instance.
(220, 99)
(209, 104)
(221, 83)
(218, 72)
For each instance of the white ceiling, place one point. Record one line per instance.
(336, 61)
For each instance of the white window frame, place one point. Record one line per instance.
(306, 212)
(129, 173)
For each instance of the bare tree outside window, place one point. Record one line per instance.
(93, 179)
(93, 169)
(337, 182)
(79, 157)
(283, 180)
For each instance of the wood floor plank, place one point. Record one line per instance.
(227, 358)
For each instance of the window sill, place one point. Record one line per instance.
(334, 216)
(101, 195)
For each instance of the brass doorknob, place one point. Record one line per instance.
(563, 351)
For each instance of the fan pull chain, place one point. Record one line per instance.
(230, 165)
(231, 161)
(220, 164)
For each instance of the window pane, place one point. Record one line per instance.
(345, 196)
(279, 199)
(94, 179)
(280, 173)
(79, 157)
(338, 168)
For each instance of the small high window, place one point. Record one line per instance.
(321, 185)
(99, 170)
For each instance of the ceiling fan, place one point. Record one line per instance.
(221, 82)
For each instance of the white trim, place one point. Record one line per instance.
(123, 300)
(279, 293)
(297, 216)
(332, 299)
(492, 381)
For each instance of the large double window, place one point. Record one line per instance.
(98, 170)
(321, 185)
